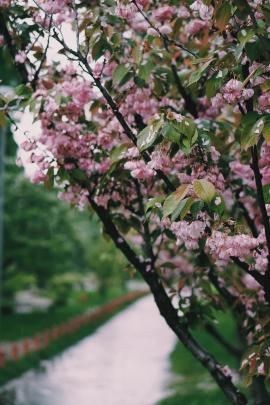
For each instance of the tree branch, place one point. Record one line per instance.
(222, 341)
(114, 107)
(260, 197)
(254, 273)
(168, 312)
(189, 103)
(147, 235)
(248, 219)
(164, 37)
(36, 75)
(228, 297)
(258, 176)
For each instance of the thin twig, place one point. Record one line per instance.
(36, 76)
(163, 36)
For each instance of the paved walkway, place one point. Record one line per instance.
(126, 362)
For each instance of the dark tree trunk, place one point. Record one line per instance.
(259, 392)
(167, 310)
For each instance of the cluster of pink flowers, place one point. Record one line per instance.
(265, 164)
(143, 3)
(4, 3)
(199, 170)
(205, 12)
(164, 13)
(264, 102)
(180, 263)
(125, 11)
(139, 170)
(39, 177)
(188, 233)
(243, 172)
(160, 161)
(63, 139)
(79, 91)
(234, 92)
(104, 69)
(75, 195)
(139, 101)
(54, 6)
(20, 57)
(195, 26)
(261, 254)
(28, 145)
(223, 247)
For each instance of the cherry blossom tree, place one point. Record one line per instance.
(158, 119)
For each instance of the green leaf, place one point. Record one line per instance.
(217, 204)
(3, 101)
(145, 71)
(266, 85)
(266, 12)
(148, 135)
(223, 15)
(119, 73)
(212, 86)
(182, 209)
(245, 35)
(117, 153)
(195, 76)
(100, 46)
(173, 199)
(23, 90)
(183, 133)
(250, 137)
(266, 193)
(122, 224)
(249, 119)
(266, 132)
(154, 203)
(170, 132)
(204, 190)
(196, 207)
(188, 128)
(79, 175)
(3, 119)
(243, 9)
(50, 179)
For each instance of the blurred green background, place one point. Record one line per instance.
(55, 259)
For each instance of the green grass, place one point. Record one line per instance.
(17, 326)
(191, 383)
(15, 369)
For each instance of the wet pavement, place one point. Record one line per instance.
(126, 362)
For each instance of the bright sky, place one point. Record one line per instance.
(25, 120)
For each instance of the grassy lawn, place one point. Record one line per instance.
(16, 326)
(191, 384)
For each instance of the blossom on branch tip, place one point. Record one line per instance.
(20, 57)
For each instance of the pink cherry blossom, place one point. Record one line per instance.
(223, 247)
(205, 12)
(20, 57)
(164, 13)
(188, 233)
(4, 3)
(195, 26)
